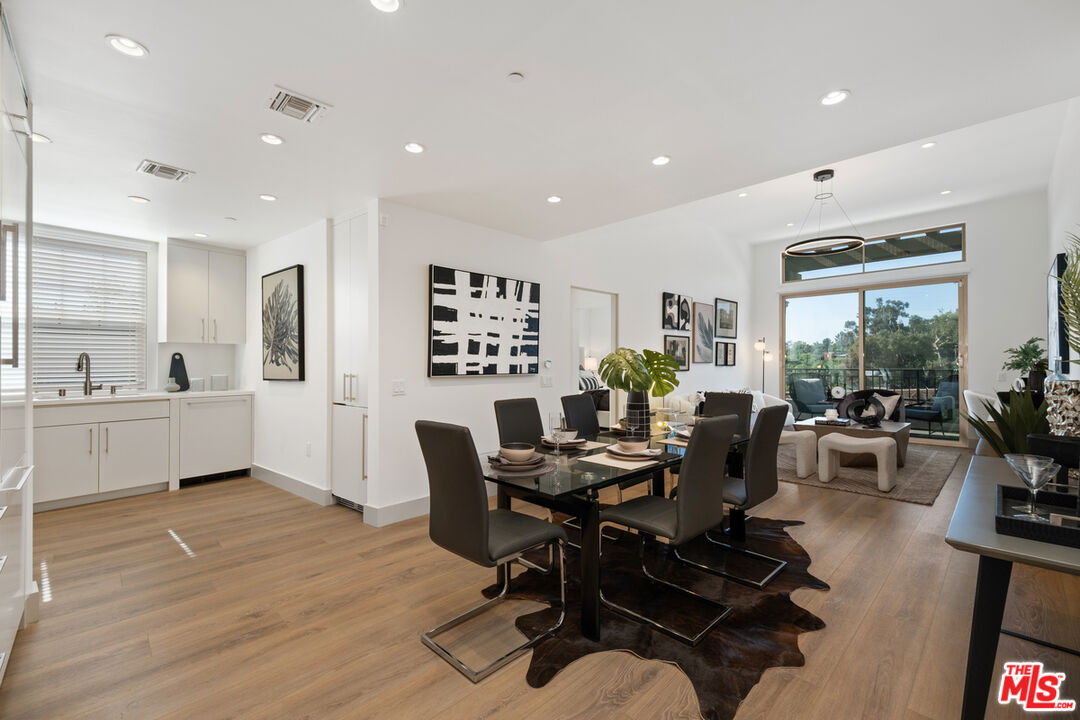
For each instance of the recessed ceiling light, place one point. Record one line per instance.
(39, 138)
(946, 192)
(138, 199)
(742, 194)
(516, 77)
(200, 235)
(414, 147)
(268, 198)
(928, 145)
(791, 224)
(127, 46)
(230, 218)
(387, 5)
(835, 97)
(271, 139)
(554, 199)
(661, 160)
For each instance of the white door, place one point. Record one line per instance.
(65, 461)
(133, 453)
(187, 294)
(342, 313)
(215, 435)
(349, 466)
(227, 322)
(358, 310)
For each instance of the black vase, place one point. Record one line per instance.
(638, 414)
(1035, 380)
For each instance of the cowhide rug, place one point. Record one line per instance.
(761, 632)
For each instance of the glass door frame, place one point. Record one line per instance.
(961, 350)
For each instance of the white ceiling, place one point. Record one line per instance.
(729, 91)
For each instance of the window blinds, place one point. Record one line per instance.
(88, 298)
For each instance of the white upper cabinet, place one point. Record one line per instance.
(205, 296)
(350, 275)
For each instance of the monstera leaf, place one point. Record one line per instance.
(628, 370)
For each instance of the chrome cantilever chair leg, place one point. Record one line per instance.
(428, 638)
(759, 584)
(692, 640)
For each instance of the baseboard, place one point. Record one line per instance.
(319, 496)
(390, 514)
(99, 497)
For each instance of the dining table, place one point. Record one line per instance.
(573, 487)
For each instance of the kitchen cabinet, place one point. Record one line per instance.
(348, 470)
(205, 296)
(350, 282)
(215, 435)
(91, 458)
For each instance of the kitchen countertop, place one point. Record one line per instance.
(77, 398)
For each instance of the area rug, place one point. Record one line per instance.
(761, 632)
(920, 480)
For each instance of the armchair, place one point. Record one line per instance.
(808, 394)
(940, 409)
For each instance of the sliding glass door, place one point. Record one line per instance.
(906, 338)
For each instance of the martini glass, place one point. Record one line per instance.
(1034, 471)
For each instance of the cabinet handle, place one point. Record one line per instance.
(344, 392)
(91, 441)
(351, 396)
(106, 438)
(215, 329)
(363, 448)
(202, 333)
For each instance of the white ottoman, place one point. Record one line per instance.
(882, 448)
(805, 442)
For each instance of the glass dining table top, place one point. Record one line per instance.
(575, 473)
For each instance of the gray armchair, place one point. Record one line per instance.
(940, 409)
(808, 394)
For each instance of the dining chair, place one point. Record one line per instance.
(758, 484)
(730, 403)
(460, 521)
(519, 420)
(698, 507)
(580, 413)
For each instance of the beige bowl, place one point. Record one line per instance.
(517, 451)
(633, 444)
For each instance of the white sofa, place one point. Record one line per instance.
(688, 403)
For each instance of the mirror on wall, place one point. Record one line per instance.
(594, 334)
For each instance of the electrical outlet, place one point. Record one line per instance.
(397, 387)
(545, 381)
(308, 448)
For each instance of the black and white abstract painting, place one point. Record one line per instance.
(678, 347)
(283, 324)
(670, 312)
(703, 332)
(685, 301)
(483, 324)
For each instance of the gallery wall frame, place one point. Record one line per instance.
(283, 324)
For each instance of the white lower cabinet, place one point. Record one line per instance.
(77, 460)
(215, 435)
(65, 461)
(135, 453)
(348, 471)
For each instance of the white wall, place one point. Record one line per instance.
(289, 415)
(1064, 190)
(1006, 267)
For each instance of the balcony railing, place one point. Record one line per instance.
(917, 385)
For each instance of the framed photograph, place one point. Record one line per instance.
(482, 324)
(1057, 340)
(731, 354)
(669, 312)
(283, 324)
(703, 332)
(727, 318)
(685, 301)
(720, 355)
(678, 347)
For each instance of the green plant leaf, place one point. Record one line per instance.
(624, 370)
(1014, 422)
(661, 369)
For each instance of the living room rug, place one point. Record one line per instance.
(761, 632)
(919, 481)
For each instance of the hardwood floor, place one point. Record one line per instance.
(238, 600)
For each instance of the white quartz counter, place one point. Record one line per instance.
(77, 398)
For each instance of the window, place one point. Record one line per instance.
(89, 298)
(914, 249)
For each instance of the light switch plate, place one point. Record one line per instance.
(397, 387)
(545, 381)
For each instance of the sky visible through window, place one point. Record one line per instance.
(812, 319)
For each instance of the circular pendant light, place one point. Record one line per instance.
(821, 245)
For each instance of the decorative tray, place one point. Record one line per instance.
(838, 423)
(1065, 504)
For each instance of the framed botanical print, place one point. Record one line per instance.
(703, 332)
(283, 324)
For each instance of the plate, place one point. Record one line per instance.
(641, 455)
(500, 461)
(531, 467)
(567, 443)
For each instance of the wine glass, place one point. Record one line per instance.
(1035, 471)
(556, 422)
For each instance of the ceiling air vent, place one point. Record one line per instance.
(296, 105)
(161, 170)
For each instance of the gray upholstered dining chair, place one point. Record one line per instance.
(730, 403)
(698, 507)
(758, 484)
(519, 420)
(461, 522)
(580, 413)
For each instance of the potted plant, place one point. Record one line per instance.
(1030, 360)
(639, 375)
(1063, 393)
(1012, 423)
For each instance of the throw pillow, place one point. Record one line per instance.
(889, 401)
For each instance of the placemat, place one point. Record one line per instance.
(615, 462)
